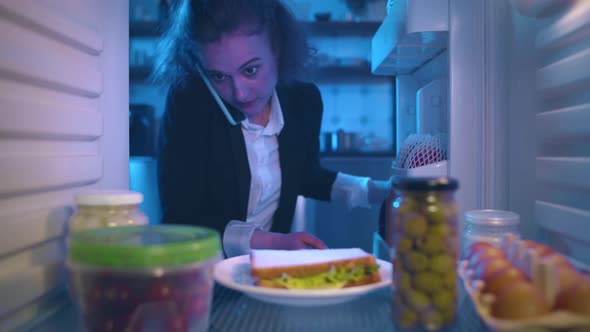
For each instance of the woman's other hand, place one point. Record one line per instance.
(378, 191)
(290, 241)
(300, 240)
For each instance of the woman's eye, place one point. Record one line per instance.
(218, 77)
(251, 71)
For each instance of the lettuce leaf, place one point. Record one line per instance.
(335, 278)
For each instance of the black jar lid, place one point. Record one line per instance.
(425, 184)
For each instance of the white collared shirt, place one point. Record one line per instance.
(262, 147)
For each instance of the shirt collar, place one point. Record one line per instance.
(275, 120)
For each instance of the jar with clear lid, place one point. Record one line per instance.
(422, 220)
(489, 226)
(101, 209)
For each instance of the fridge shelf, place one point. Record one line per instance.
(568, 30)
(413, 33)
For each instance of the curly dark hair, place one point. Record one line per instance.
(196, 22)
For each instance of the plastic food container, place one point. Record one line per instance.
(489, 226)
(99, 209)
(144, 278)
(422, 218)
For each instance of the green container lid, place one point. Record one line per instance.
(144, 246)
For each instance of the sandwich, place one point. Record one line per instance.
(313, 268)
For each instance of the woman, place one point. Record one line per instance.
(238, 145)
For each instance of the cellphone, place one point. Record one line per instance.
(232, 120)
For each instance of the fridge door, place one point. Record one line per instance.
(63, 128)
(431, 105)
(519, 118)
(562, 123)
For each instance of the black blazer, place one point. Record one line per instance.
(203, 170)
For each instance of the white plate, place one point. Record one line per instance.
(234, 273)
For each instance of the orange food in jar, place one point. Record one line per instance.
(541, 249)
(488, 267)
(485, 254)
(558, 260)
(576, 298)
(475, 247)
(567, 277)
(496, 282)
(521, 300)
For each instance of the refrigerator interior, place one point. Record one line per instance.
(519, 133)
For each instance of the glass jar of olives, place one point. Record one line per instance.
(422, 218)
(107, 208)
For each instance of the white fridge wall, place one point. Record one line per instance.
(522, 106)
(520, 120)
(562, 123)
(64, 128)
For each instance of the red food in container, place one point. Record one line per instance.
(138, 278)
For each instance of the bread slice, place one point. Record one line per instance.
(269, 265)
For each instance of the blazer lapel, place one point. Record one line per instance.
(288, 156)
(242, 168)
